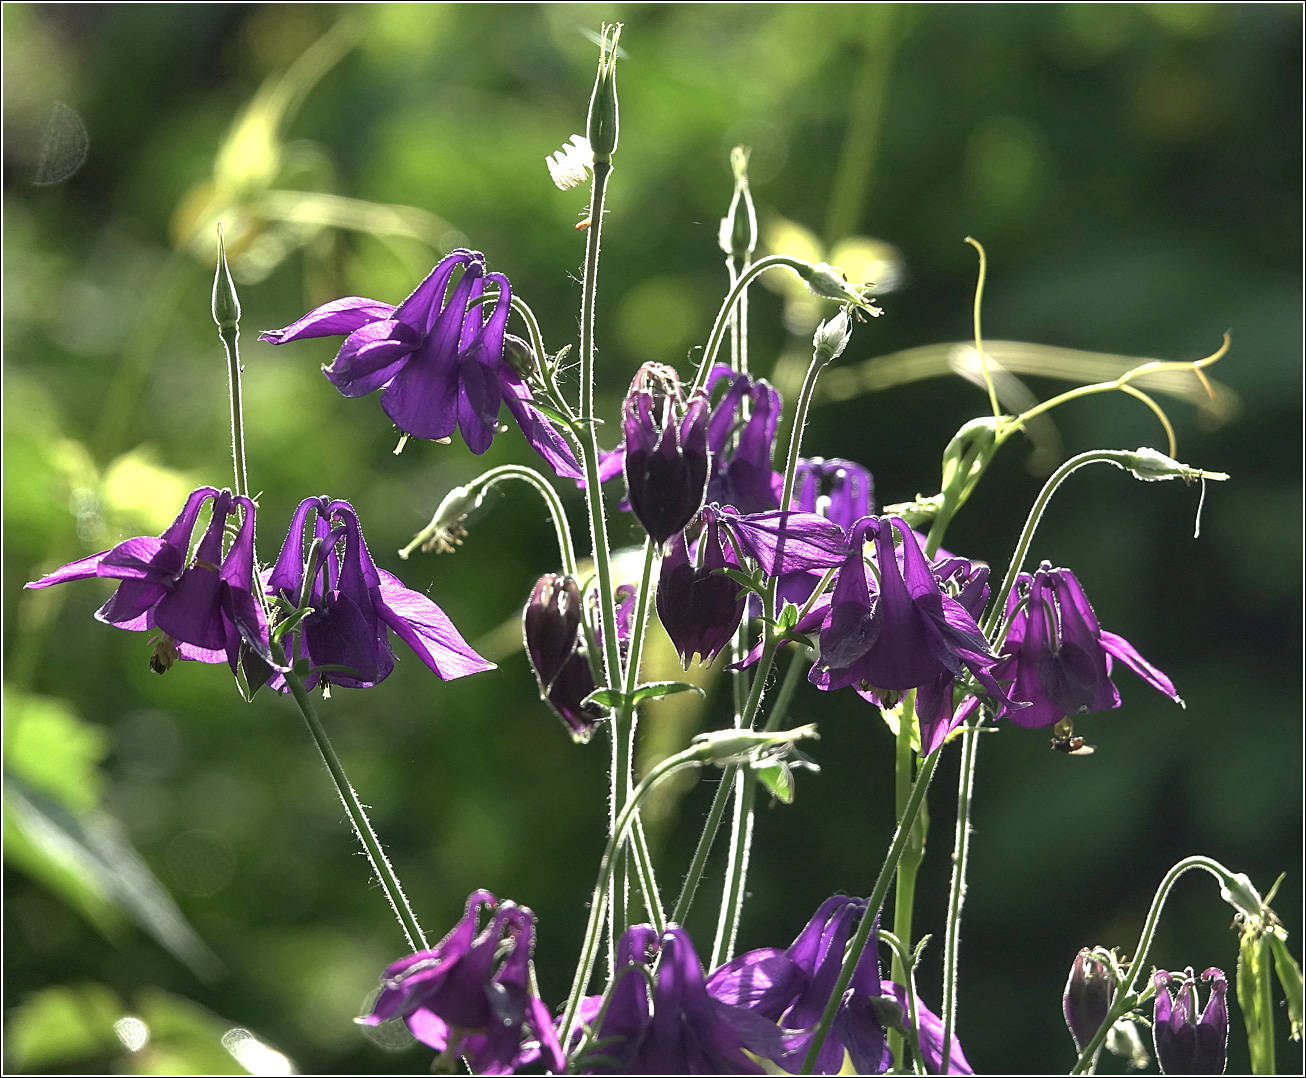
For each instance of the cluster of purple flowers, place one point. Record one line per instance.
(209, 606)
(469, 995)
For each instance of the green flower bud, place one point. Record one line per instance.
(603, 125)
(832, 337)
(226, 307)
(723, 747)
(1152, 467)
(520, 355)
(738, 233)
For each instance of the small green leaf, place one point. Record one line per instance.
(1255, 1001)
(1290, 980)
(611, 698)
(654, 689)
(788, 618)
(550, 413)
(779, 780)
(747, 581)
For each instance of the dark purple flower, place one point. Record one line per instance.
(666, 454)
(787, 542)
(1058, 658)
(699, 607)
(902, 632)
(930, 1028)
(555, 644)
(440, 362)
(1087, 999)
(1188, 1041)
(839, 490)
(354, 605)
(682, 1029)
(792, 988)
(741, 474)
(465, 997)
(204, 604)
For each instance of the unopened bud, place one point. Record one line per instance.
(738, 233)
(520, 355)
(226, 306)
(1089, 990)
(832, 337)
(830, 282)
(723, 747)
(1152, 467)
(603, 125)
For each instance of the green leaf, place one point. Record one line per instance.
(85, 859)
(1290, 980)
(614, 698)
(788, 618)
(748, 581)
(779, 780)
(611, 698)
(1255, 1001)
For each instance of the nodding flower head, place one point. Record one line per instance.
(741, 439)
(353, 605)
(438, 359)
(1189, 1040)
(666, 451)
(1058, 657)
(203, 606)
(699, 606)
(471, 996)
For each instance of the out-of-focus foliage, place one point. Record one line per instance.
(1133, 171)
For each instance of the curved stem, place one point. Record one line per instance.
(979, 337)
(691, 757)
(358, 817)
(723, 316)
(1125, 998)
(230, 343)
(900, 838)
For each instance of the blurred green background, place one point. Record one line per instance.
(177, 857)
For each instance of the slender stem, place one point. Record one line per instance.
(691, 757)
(1126, 997)
(705, 840)
(979, 337)
(905, 882)
(900, 839)
(230, 338)
(957, 891)
(997, 606)
(648, 881)
(902, 957)
(723, 316)
(358, 817)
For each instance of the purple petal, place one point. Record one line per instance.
(422, 397)
(75, 570)
(331, 319)
(542, 436)
(426, 629)
(479, 397)
(371, 356)
(786, 542)
(423, 305)
(1123, 650)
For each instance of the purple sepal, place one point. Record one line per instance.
(788, 542)
(929, 1026)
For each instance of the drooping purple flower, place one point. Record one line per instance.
(465, 997)
(1087, 999)
(902, 632)
(203, 604)
(551, 628)
(666, 453)
(1188, 1041)
(792, 988)
(741, 474)
(1058, 658)
(440, 363)
(930, 1028)
(354, 605)
(839, 490)
(681, 1029)
(699, 607)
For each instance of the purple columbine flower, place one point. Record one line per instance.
(741, 476)
(353, 605)
(440, 363)
(902, 632)
(551, 628)
(1186, 1041)
(793, 986)
(204, 605)
(1089, 990)
(666, 453)
(1058, 658)
(839, 490)
(464, 997)
(681, 1029)
(700, 607)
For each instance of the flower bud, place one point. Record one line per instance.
(738, 233)
(1186, 1041)
(519, 355)
(226, 307)
(699, 607)
(666, 451)
(549, 624)
(603, 124)
(832, 337)
(1089, 989)
(723, 747)
(1152, 466)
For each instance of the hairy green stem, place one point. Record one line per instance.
(230, 337)
(957, 888)
(900, 839)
